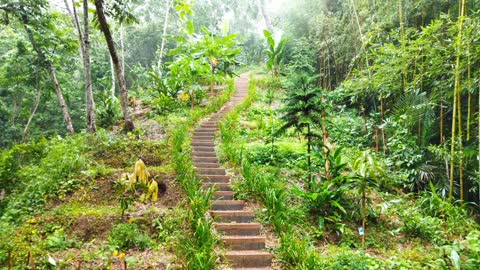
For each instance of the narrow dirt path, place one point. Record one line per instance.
(241, 235)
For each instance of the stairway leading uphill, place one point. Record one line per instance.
(240, 234)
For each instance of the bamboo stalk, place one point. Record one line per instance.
(460, 144)
(456, 95)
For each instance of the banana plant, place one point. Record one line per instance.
(275, 53)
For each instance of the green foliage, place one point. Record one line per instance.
(298, 253)
(58, 240)
(108, 110)
(275, 53)
(49, 174)
(303, 108)
(424, 227)
(125, 236)
(285, 155)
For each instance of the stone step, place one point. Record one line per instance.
(203, 148)
(205, 143)
(242, 216)
(209, 125)
(215, 178)
(205, 132)
(254, 268)
(238, 228)
(206, 129)
(249, 258)
(204, 136)
(218, 186)
(198, 160)
(228, 205)
(211, 171)
(223, 195)
(237, 242)
(204, 154)
(206, 165)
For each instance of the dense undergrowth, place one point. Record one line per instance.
(317, 224)
(63, 200)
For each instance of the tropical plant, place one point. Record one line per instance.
(125, 236)
(275, 53)
(365, 172)
(302, 110)
(138, 180)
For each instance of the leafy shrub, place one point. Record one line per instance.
(352, 260)
(125, 236)
(163, 105)
(454, 214)
(58, 241)
(326, 199)
(52, 176)
(108, 110)
(427, 228)
(285, 155)
(297, 253)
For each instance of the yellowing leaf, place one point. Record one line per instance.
(141, 172)
(121, 255)
(184, 97)
(213, 60)
(153, 190)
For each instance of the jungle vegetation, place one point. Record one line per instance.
(359, 142)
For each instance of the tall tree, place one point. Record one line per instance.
(302, 110)
(32, 17)
(164, 34)
(102, 20)
(84, 38)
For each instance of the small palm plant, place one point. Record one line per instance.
(302, 110)
(365, 172)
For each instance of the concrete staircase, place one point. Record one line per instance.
(241, 235)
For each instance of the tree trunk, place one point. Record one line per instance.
(364, 216)
(32, 114)
(403, 41)
(441, 122)
(384, 135)
(309, 158)
(53, 75)
(164, 36)
(91, 117)
(61, 100)
(122, 48)
(102, 20)
(112, 71)
(326, 144)
(85, 54)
